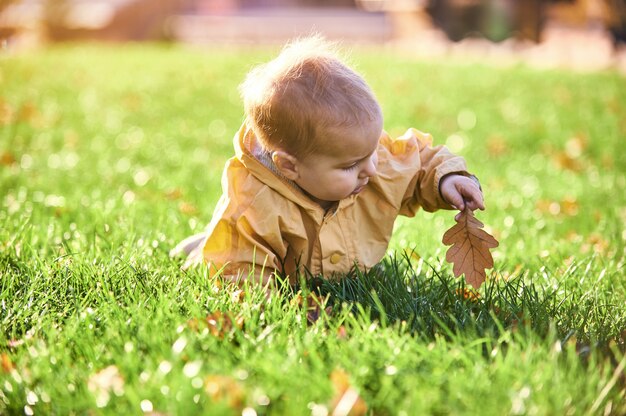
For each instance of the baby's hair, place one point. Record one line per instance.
(292, 100)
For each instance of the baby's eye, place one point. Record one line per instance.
(351, 167)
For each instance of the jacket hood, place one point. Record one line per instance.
(248, 151)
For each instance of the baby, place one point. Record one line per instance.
(315, 183)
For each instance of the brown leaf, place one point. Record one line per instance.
(411, 254)
(545, 206)
(6, 113)
(470, 248)
(187, 208)
(5, 363)
(221, 324)
(7, 159)
(565, 162)
(342, 332)
(315, 305)
(224, 388)
(313, 315)
(347, 400)
(468, 294)
(595, 242)
(496, 146)
(174, 194)
(238, 296)
(569, 206)
(29, 113)
(576, 146)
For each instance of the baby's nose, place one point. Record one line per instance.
(369, 169)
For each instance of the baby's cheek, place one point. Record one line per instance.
(342, 186)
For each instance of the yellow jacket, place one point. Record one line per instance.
(265, 222)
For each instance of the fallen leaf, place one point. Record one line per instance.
(238, 296)
(575, 146)
(29, 113)
(347, 400)
(187, 208)
(174, 194)
(6, 363)
(223, 388)
(7, 159)
(565, 161)
(569, 206)
(496, 146)
(468, 294)
(470, 248)
(595, 242)
(342, 332)
(6, 113)
(104, 382)
(548, 207)
(411, 254)
(314, 305)
(313, 315)
(219, 324)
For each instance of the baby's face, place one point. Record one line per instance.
(343, 171)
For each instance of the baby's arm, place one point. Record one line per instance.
(461, 192)
(188, 245)
(192, 248)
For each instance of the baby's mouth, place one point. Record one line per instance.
(360, 188)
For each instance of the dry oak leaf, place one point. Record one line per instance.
(470, 248)
(316, 305)
(221, 324)
(224, 388)
(5, 363)
(347, 401)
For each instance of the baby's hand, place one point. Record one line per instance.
(461, 192)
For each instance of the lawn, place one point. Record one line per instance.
(109, 155)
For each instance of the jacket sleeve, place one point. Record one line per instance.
(243, 239)
(421, 167)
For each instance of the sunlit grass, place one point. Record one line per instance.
(110, 155)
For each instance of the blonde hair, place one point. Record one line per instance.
(292, 100)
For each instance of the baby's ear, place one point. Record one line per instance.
(286, 164)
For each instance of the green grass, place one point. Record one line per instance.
(111, 155)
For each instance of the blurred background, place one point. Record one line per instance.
(585, 34)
